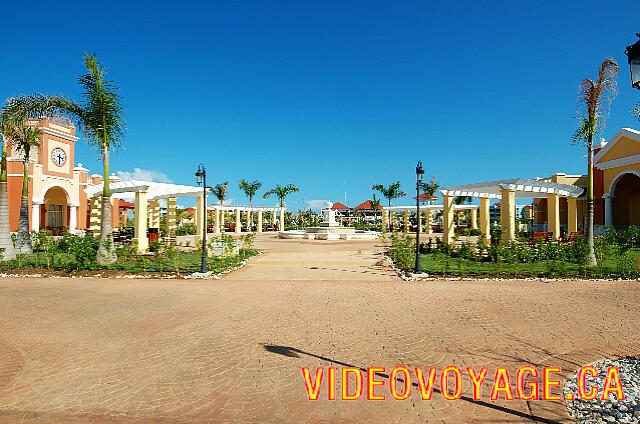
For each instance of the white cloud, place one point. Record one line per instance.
(145, 175)
(316, 204)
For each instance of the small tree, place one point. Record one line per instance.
(430, 189)
(250, 189)
(393, 191)
(375, 205)
(220, 191)
(594, 100)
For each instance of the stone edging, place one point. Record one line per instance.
(409, 276)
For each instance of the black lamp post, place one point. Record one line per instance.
(201, 178)
(419, 174)
(633, 53)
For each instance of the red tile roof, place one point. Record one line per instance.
(339, 206)
(366, 205)
(426, 196)
(126, 205)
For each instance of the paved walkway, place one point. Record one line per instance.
(316, 260)
(165, 351)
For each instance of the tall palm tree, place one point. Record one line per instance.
(281, 192)
(100, 115)
(6, 244)
(15, 126)
(25, 137)
(250, 189)
(220, 191)
(393, 191)
(595, 98)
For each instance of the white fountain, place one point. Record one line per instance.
(329, 229)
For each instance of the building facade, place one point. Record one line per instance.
(617, 182)
(57, 200)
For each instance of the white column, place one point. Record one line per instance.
(140, 221)
(608, 209)
(281, 219)
(201, 218)
(248, 220)
(35, 217)
(73, 218)
(216, 217)
(448, 228)
(238, 223)
(259, 220)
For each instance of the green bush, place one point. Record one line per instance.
(185, 229)
(402, 251)
(83, 248)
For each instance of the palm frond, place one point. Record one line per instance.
(101, 110)
(595, 99)
(220, 191)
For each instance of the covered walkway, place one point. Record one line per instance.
(507, 191)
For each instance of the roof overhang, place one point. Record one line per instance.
(154, 190)
(624, 132)
(522, 188)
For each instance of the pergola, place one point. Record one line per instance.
(426, 210)
(220, 213)
(508, 191)
(147, 205)
(147, 208)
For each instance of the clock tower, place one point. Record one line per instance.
(56, 196)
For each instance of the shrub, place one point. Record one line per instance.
(402, 251)
(186, 229)
(83, 248)
(248, 241)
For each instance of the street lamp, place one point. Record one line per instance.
(201, 178)
(419, 174)
(633, 53)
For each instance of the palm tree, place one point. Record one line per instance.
(375, 205)
(636, 111)
(25, 137)
(250, 189)
(6, 244)
(595, 98)
(391, 192)
(15, 126)
(281, 192)
(430, 189)
(100, 116)
(220, 191)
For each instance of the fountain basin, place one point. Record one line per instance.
(329, 233)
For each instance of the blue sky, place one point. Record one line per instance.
(331, 96)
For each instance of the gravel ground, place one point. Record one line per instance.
(611, 410)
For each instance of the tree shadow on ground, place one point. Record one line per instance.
(292, 352)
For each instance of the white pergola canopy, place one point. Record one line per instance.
(155, 191)
(523, 188)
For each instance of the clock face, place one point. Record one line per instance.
(58, 156)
